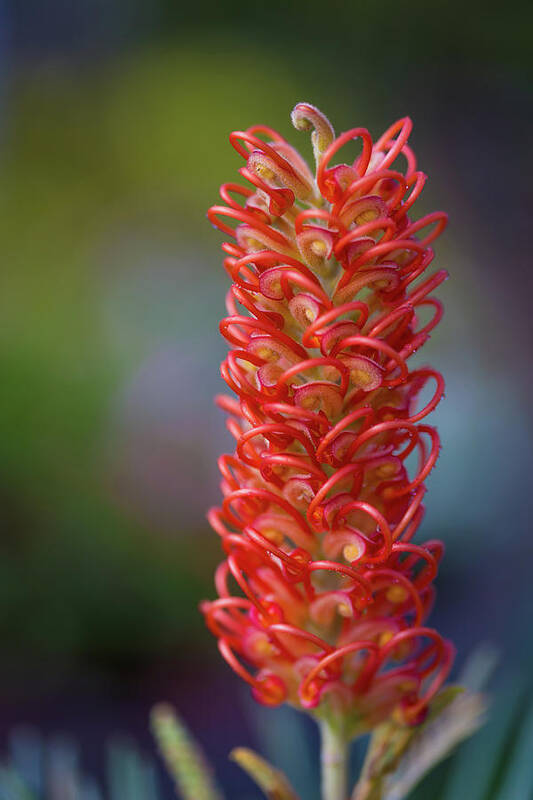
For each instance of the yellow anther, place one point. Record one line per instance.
(253, 243)
(263, 647)
(319, 247)
(385, 470)
(273, 535)
(309, 402)
(264, 172)
(385, 637)
(360, 377)
(397, 594)
(352, 552)
(366, 216)
(345, 610)
(267, 353)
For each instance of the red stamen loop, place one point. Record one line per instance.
(394, 147)
(280, 200)
(391, 186)
(271, 172)
(269, 689)
(329, 182)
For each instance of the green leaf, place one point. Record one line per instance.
(518, 778)
(129, 773)
(476, 765)
(399, 756)
(183, 757)
(458, 717)
(441, 700)
(284, 739)
(12, 787)
(387, 745)
(270, 780)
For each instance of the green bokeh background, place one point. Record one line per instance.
(113, 143)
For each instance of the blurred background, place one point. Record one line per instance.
(113, 142)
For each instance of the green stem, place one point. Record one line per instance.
(334, 761)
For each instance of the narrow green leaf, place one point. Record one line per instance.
(90, 790)
(126, 771)
(476, 763)
(12, 787)
(441, 700)
(150, 782)
(435, 741)
(62, 770)
(271, 781)
(284, 739)
(183, 757)
(26, 755)
(389, 744)
(518, 777)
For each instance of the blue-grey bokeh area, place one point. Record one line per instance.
(113, 141)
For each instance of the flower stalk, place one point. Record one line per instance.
(334, 762)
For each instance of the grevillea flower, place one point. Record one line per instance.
(323, 595)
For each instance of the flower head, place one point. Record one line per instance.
(323, 595)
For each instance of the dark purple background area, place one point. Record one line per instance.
(106, 553)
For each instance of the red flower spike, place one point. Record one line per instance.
(320, 507)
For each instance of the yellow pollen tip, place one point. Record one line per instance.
(351, 552)
(345, 610)
(263, 647)
(360, 377)
(265, 172)
(267, 353)
(385, 637)
(319, 247)
(366, 216)
(397, 594)
(273, 535)
(309, 402)
(385, 470)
